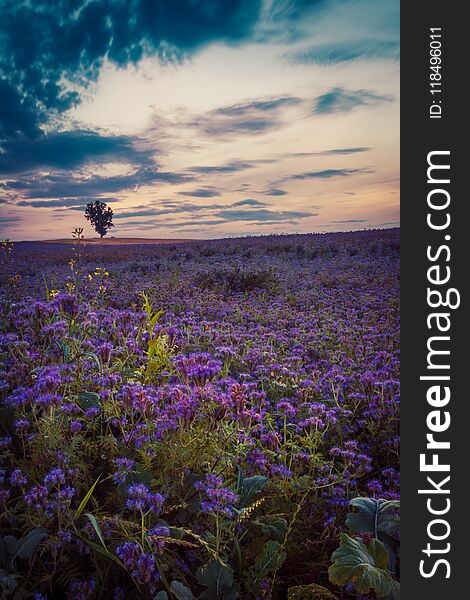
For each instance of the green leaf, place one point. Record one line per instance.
(374, 516)
(216, 577)
(141, 475)
(88, 399)
(48, 294)
(272, 526)
(95, 357)
(270, 559)
(181, 591)
(83, 503)
(249, 487)
(96, 527)
(162, 595)
(364, 566)
(27, 545)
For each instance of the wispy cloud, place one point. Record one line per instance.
(69, 185)
(251, 117)
(346, 52)
(351, 221)
(234, 166)
(340, 100)
(64, 202)
(249, 202)
(202, 192)
(326, 174)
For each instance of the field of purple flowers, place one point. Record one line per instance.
(192, 420)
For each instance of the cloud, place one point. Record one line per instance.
(326, 174)
(352, 221)
(45, 46)
(66, 185)
(275, 192)
(249, 202)
(206, 191)
(7, 222)
(340, 100)
(263, 105)
(234, 166)
(77, 203)
(262, 215)
(346, 52)
(255, 116)
(171, 209)
(68, 150)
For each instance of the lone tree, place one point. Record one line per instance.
(100, 216)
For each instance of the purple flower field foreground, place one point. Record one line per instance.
(192, 420)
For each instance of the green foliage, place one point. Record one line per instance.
(374, 516)
(25, 547)
(365, 565)
(12, 551)
(271, 558)
(378, 518)
(309, 592)
(181, 592)
(219, 581)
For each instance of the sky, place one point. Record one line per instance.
(198, 118)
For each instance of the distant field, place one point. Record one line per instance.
(166, 405)
(114, 241)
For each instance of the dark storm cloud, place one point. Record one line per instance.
(339, 100)
(46, 43)
(67, 150)
(346, 52)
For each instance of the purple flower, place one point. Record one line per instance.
(81, 590)
(37, 497)
(17, 478)
(216, 498)
(75, 426)
(55, 477)
(140, 498)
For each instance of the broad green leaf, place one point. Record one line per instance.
(181, 591)
(364, 566)
(28, 544)
(162, 595)
(250, 487)
(374, 516)
(216, 577)
(88, 399)
(273, 527)
(96, 527)
(270, 559)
